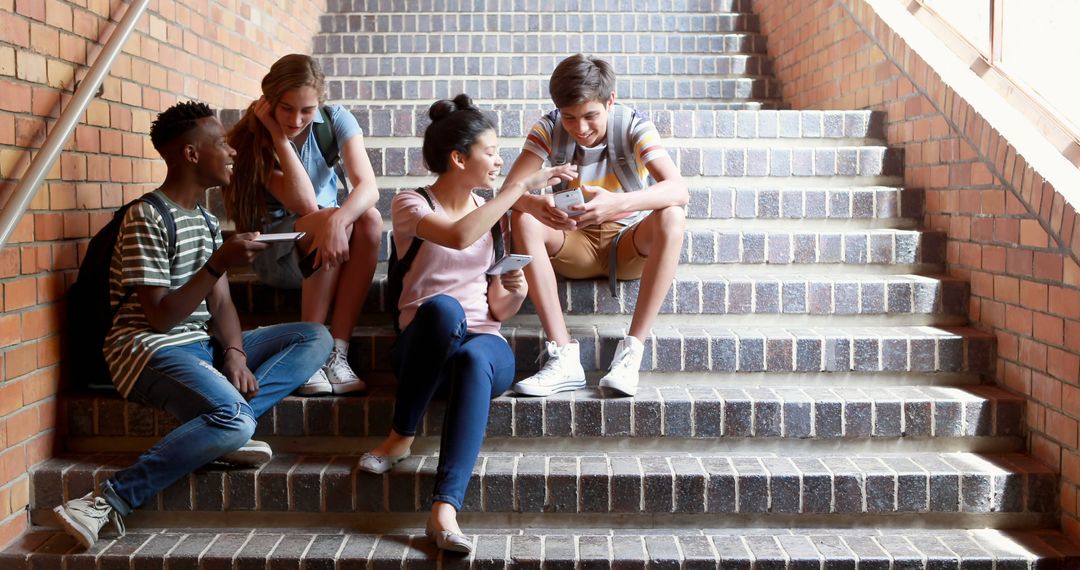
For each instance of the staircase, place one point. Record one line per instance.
(812, 395)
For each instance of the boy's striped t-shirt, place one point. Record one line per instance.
(141, 258)
(593, 167)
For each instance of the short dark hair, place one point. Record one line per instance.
(580, 78)
(455, 125)
(177, 120)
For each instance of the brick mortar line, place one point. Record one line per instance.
(962, 133)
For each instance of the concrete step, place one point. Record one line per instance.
(583, 21)
(534, 42)
(346, 548)
(682, 344)
(629, 482)
(376, 90)
(626, 65)
(910, 299)
(715, 417)
(532, 6)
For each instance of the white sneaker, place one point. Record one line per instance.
(84, 517)
(561, 372)
(252, 454)
(623, 375)
(341, 376)
(317, 385)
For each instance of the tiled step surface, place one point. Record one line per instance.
(601, 482)
(716, 294)
(540, 43)
(709, 347)
(626, 65)
(699, 412)
(444, 21)
(556, 549)
(532, 6)
(391, 158)
(358, 91)
(769, 126)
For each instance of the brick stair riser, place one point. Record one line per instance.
(707, 296)
(505, 483)
(696, 413)
(341, 66)
(802, 164)
(725, 350)
(540, 43)
(533, 6)
(489, 88)
(755, 126)
(446, 22)
(326, 549)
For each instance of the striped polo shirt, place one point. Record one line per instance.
(592, 163)
(141, 257)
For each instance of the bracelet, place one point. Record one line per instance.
(237, 349)
(213, 273)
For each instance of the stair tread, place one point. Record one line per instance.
(749, 547)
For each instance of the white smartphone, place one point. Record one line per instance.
(509, 263)
(284, 236)
(567, 198)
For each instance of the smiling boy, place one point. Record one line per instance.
(631, 225)
(175, 342)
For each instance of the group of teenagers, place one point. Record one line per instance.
(176, 343)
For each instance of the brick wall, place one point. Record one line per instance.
(1010, 234)
(212, 50)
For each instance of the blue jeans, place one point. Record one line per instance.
(184, 381)
(436, 352)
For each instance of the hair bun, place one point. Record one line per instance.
(444, 107)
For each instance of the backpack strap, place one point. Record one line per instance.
(562, 147)
(619, 150)
(327, 142)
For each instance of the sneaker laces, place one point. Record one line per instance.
(622, 357)
(97, 508)
(552, 368)
(339, 364)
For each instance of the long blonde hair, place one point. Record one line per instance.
(244, 199)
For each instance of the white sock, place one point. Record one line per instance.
(341, 346)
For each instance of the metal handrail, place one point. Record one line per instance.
(61, 131)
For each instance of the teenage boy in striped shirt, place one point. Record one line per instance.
(176, 343)
(630, 226)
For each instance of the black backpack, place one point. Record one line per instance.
(326, 140)
(397, 268)
(89, 310)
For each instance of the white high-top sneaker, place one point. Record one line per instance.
(623, 372)
(562, 372)
(317, 385)
(341, 376)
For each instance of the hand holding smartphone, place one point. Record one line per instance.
(284, 236)
(567, 198)
(508, 263)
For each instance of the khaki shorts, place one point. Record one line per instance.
(584, 253)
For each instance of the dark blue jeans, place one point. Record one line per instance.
(184, 381)
(434, 353)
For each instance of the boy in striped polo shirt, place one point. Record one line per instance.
(630, 226)
(176, 342)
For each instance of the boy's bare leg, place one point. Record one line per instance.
(540, 241)
(660, 238)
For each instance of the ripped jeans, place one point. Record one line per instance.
(185, 382)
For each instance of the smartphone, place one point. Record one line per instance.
(509, 263)
(285, 236)
(567, 198)
(307, 264)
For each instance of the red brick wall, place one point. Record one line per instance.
(1010, 234)
(212, 50)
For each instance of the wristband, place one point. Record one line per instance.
(237, 349)
(213, 273)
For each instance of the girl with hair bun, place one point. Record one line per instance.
(282, 183)
(451, 310)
